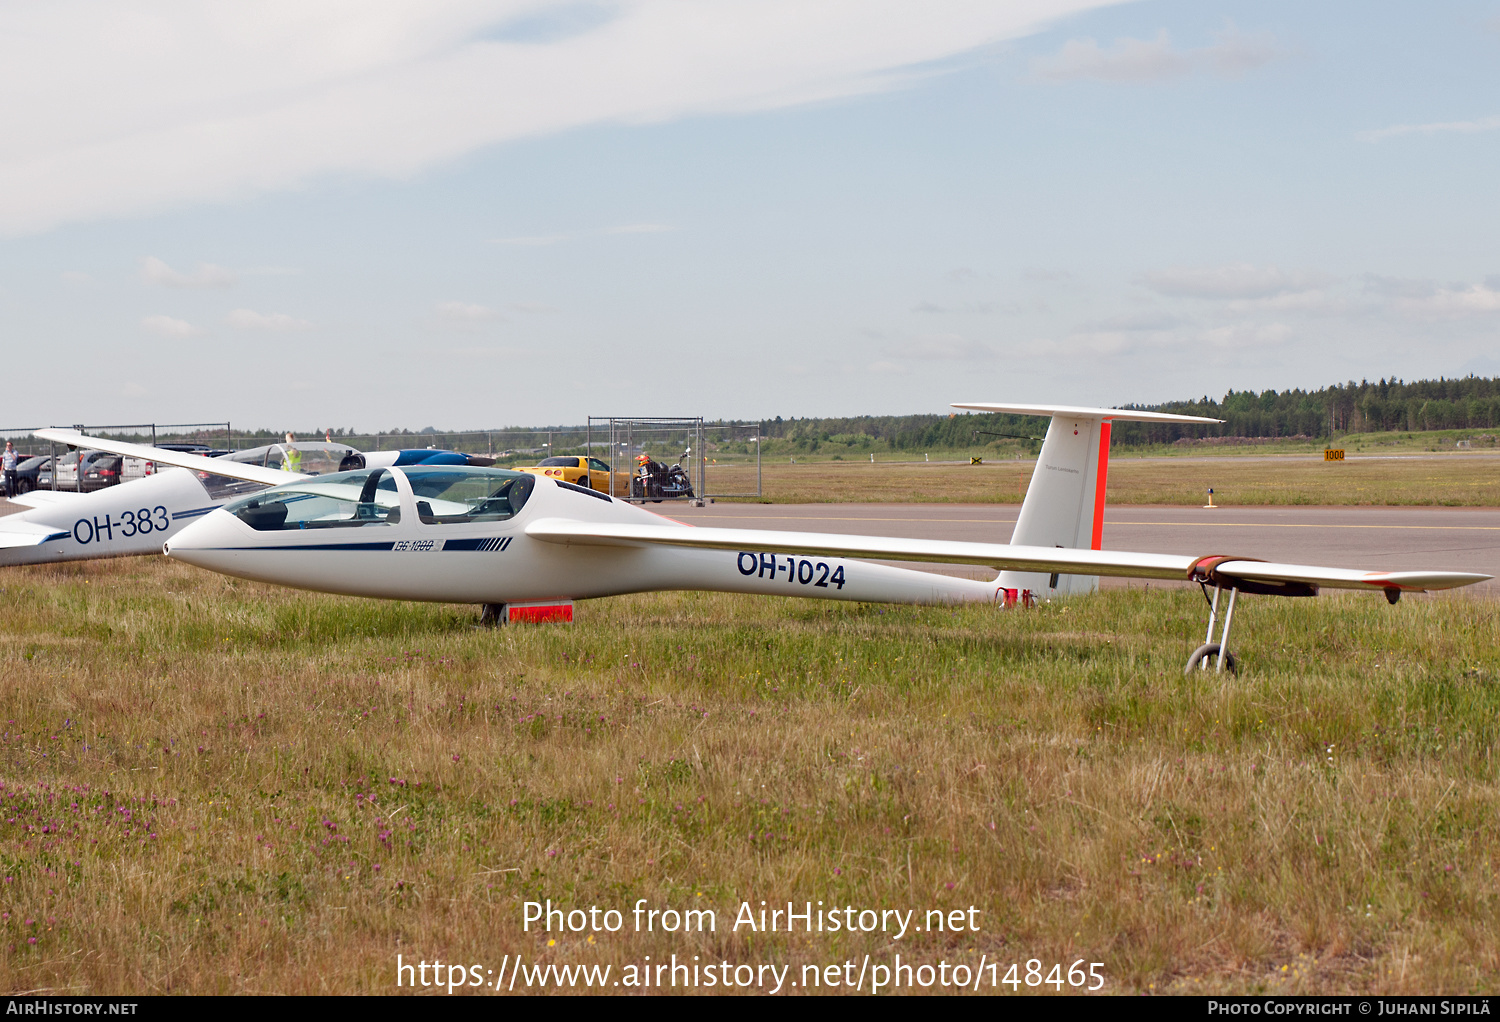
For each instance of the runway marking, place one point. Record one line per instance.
(819, 518)
(1310, 525)
(1107, 522)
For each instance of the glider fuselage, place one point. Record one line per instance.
(495, 562)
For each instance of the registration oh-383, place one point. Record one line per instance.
(140, 522)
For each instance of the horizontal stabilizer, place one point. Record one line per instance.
(17, 533)
(43, 498)
(1117, 563)
(1078, 411)
(196, 462)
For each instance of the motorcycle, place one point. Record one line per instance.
(655, 481)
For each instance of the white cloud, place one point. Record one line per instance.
(930, 347)
(1315, 301)
(1142, 319)
(166, 326)
(132, 389)
(1427, 299)
(532, 308)
(1379, 286)
(1103, 340)
(639, 229)
(530, 240)
(1248, 335)
(124, 107)
(977, 308)
(1435, 128)
(491, 352)
(154, 271)
(1037, 275)
(1452, 302)
(1240, 280)
(539, 240)
(885, 367)
(465, 312)
(249, 319)
(1130, 60)
(1154, 60)
(76, 277)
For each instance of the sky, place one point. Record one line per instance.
(480, 213)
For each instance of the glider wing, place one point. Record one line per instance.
(196, 462)
(1118, 563)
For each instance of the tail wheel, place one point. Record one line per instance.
(1206, 655)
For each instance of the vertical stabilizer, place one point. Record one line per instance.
(1064, 505)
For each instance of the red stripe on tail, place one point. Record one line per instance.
(1101, 482)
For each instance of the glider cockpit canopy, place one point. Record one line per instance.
(445, 495)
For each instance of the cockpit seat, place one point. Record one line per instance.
(264, 517)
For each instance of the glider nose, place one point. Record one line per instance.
(203, 542)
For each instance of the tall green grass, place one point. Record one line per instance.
(215, 786)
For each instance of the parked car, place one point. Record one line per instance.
(101, 470)
(105, 467)
(67, 470)
(589, 472)
(139, 468)
(28, 471)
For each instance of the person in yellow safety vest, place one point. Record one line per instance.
(291, 458)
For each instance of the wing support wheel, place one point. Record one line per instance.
(1206, 652)
(1218, 651)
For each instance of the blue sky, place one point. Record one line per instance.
(486, 213)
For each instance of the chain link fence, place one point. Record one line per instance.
(723, 458)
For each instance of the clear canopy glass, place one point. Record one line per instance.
(453, 494)
(343, 500)
(312, 457)
(446, 495)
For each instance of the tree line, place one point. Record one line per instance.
(1391, 405)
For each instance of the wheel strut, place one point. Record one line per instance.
(1219, 650)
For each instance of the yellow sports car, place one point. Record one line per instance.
(589, 472)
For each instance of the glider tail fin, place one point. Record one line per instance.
(1064, 505)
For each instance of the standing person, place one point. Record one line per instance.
(291, 459)
(8, 465)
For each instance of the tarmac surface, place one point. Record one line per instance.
(1376, 538)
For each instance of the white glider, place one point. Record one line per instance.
(526, 547)
(137, 517)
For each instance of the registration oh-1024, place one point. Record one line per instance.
(798, 570)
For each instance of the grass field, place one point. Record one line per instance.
(1455, 479)
(213, 786)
